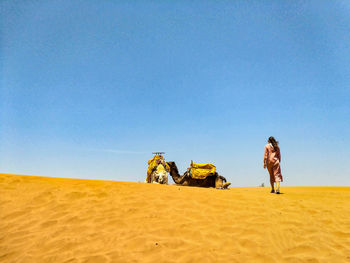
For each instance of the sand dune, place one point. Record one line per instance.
(67, 220)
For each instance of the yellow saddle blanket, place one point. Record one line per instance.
(202, 170)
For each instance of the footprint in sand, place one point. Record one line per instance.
(75, 195)
(49, 223)
(95, 259)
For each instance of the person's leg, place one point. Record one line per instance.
(277, 175)
(272, 186)
(272, 180)
(277, 187)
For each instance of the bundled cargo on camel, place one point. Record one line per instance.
(202, 170)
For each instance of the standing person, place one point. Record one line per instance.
(272, 159)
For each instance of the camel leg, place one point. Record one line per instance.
(218, 183)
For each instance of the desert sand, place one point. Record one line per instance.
(69, 220)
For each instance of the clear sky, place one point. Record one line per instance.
(90, 88)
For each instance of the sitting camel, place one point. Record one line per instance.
(159, 174)
(214, 180)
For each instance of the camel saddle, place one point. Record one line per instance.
(202, 170)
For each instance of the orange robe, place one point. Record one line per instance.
(272, 158)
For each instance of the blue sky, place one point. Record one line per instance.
(90, 88)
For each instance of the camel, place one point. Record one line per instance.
(157, 170)
(214, 180)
